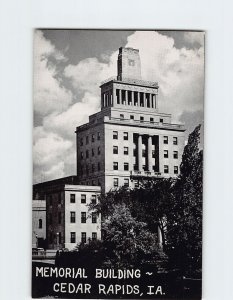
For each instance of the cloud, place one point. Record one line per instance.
(194, 37)
(49, 94)
(179, 72)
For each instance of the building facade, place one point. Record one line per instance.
(38, 223)
(69, 221)
(129, 139)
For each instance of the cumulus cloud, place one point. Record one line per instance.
(49, 94)
(179, 72)
(194, 37)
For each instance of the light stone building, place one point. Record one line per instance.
(38, 223)
(129, 139)
(69, 221)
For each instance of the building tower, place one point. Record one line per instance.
(129, 139)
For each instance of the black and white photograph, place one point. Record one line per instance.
(118, 122)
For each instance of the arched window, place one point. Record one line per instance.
(40, 223)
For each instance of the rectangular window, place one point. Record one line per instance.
(93, 199)
(165, 153)
(126, 150)
(83, 217)
(87, 140)
(115, 165)
(126, 166)
(125, 136)
(144, 167)
(93, 182)
(126, 182)
(136, 183)
(115, 182)
(175, 154)
(115, 135)
(83, 198)
(115, 149)
(87, 169)
(161, 120)
(59, 198)
(92, 152)
(72, 217)
(72, 237)
(121, 116)
(93, 138)
(175, 140)
(87, 153)
(98, 150)
(175, 169)
(93, 168)
(143, 153)
(59, 217)
(94, 236)
(94, 217)
(166, 169)
(131, 117)
(59, 237)
(152, 120)
(165, 139)
(81, 142)
(81, 155)
(83, 237)
(72, 198)
(141, 119)
(98, 136)
(153, 153)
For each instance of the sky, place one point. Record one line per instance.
(69, 66)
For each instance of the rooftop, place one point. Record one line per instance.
(139, 82)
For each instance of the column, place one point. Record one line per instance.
(126, 97)
(144, 99)
(120, 96)
(104, 99)
(150, 100)
(139, 153)
(149, 153)
(136, 98)
(155, 101)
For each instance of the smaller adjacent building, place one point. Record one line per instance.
(68, 219)
(38, 223)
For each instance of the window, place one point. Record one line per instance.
(98, 166)
(50, 200)
(144, 167)
(115, 135)
(115, 149)
(115, 165)
(125, 136)
(98, 136)
(87, 169)
(72, 237)
(72, 217)
(93, 168)
(175, 154)
(143, 153)
(59, 198)
(175, 140)
(98, 150)
(94, 236)
(87, 140)
(92, 138)
(72, 198)
(121, 116)
(161, 120)
(126, 150)
(131, 62)
(126, 182)
(166, 170)
(175, 169)
(115, 182)
(40, 223)
(94, 217)
(87, 153)
(83, 198)
(93, 182)
(153, 153)
(152, 120)
(165, 139)
(126, 166)
(131, 117)
(59, 217)
(93, 199)
(81, 171)
(83, 217)
(81, 142)
(81, 155)
(92, 152)
(165, 153)
(141, 119)
(83, 237)
(136, 183)
(59, 237)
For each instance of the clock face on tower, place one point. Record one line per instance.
(131, 62)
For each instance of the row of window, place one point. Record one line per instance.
(92, 170)
(83, 217)
(92, 153)
(83, 198)
(83, 237)
(93, 138)
(152, 120)
(175, 154)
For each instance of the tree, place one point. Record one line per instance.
(184, 234)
